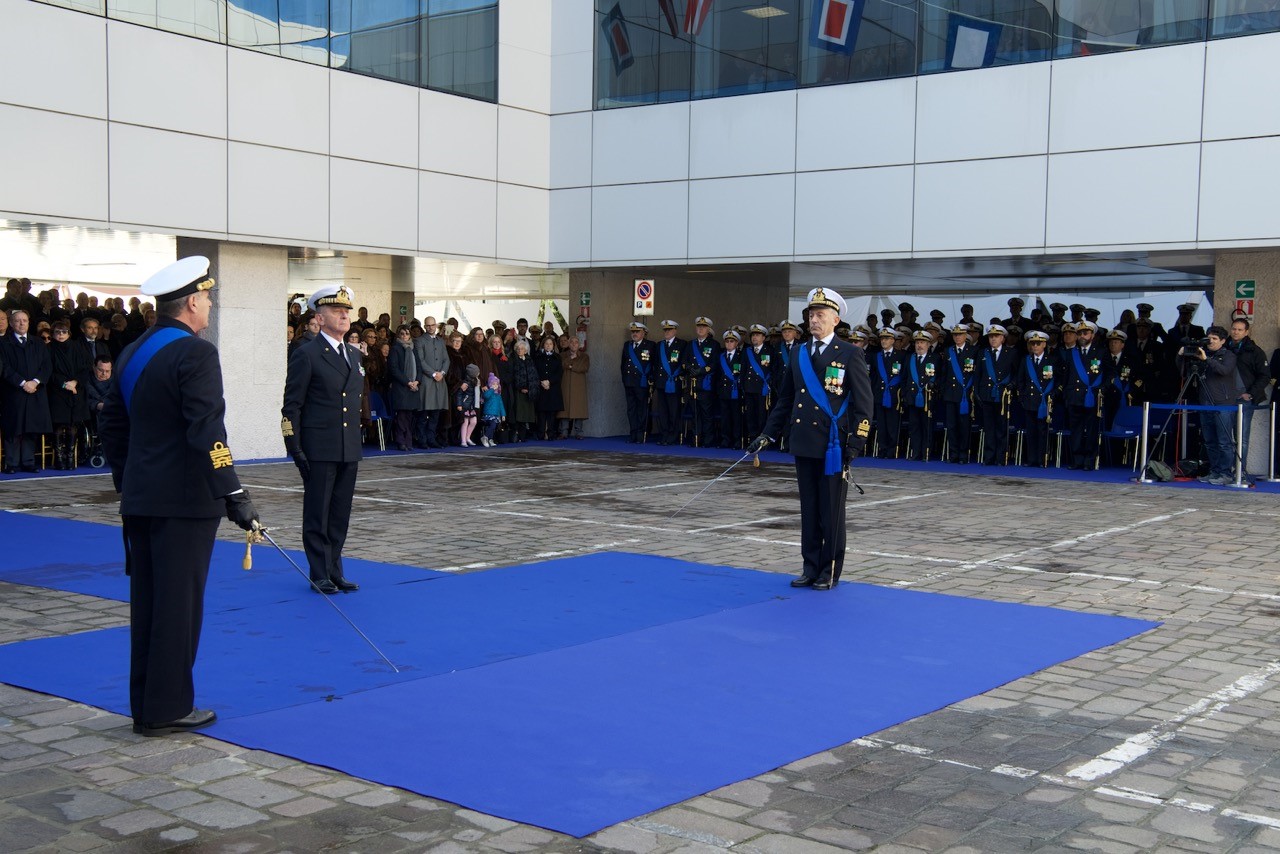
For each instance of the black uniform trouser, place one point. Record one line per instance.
(1037, 433)
(705, 417)
(822, 519)
(20, 450)
(995, 432)
(754, 413)
(731, 422)
(888, 428)
(425, 424)
(637, 411)
(670, 414)
(1082, 421)
(919, 432)
(168, 563)
(326, 511)
(959, 426)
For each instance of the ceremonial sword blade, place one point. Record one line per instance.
(708, 486)
(327, 598)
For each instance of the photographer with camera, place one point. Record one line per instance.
(1214, 366)
(1255, 375)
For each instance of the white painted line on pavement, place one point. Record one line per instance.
(471, 472)
(1057, 500)
(1137, 746)
(589, 494)
(1074, 541)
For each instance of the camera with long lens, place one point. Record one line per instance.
(1192, 364)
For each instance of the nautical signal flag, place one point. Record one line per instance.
(835, 24)
(614, 28)
(668, 8)
(695, 14)
(971, 42)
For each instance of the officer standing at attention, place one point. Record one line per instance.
(669, 376)
(704, 353)
(638, 358)
(320, 422)
(826, 398)
(162, 432)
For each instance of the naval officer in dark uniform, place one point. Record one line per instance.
(825, 396)
(320, 422)
(162, 432)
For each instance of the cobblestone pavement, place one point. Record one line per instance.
(1166, 742)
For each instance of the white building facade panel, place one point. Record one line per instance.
(640, 144)
(52, 59)
(457, 136)
(745, 135)
(280, 102)
(742, 217)
(166, 180)
(275, 193)
(640, 222)
(194, 77)
(980, 205)
(373, 205)
(374, 120)
(854, 211)
(1242, 87)
(1006, 116)
(1237, 199)
(63, 161)
(847, 127)
(457, 215)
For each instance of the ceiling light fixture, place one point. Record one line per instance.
(765, 11)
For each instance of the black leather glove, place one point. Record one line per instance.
(304, 465)
(758, 444)
(850, 454)
(240, 509)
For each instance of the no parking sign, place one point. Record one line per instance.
(644, 296)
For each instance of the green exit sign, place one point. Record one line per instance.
(1245, 288)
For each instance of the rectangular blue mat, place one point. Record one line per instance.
(575, 694)
(88, 558)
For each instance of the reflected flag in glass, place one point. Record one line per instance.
(835, 24)
(668, 8)
(971, 42)
(695, 14)
(614, 27)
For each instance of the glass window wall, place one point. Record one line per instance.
(450, 45)
(650, 51)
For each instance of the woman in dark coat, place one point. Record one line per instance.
(68, 393)
(454, 379)
(476, 349)
(550, 401)
(404, 388)
(526, 386)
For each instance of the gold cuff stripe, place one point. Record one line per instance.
(221, 456)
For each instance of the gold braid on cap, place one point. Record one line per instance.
(820, 298)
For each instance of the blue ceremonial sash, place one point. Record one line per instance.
(915, 378)
(1122, 386)
(670, 387)
(784, 353)
(1033, 371)
(755, 367)
(635, 360)
(996, 384)
(1089, 388)
(964, 387)
(702, 366)
(886, 399)
(728, 372)
(138, 361)
(834, 460)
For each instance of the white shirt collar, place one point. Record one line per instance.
(333, 342)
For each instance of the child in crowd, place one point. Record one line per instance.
(492, 411)
(466, 402)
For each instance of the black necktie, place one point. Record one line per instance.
(817, 348)
(22, 339)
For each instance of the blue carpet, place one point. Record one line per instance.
(577, 693)
(88, 558)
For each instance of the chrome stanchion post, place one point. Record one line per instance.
(1239, 451)
(1142, 445)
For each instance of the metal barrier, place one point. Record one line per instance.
(1271, 446)
(1239, 483)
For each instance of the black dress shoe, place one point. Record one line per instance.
(198, 719)
(325, 586)
(802, 581)
(824, 585)
(8, 470)
(29, 469)
(344, 585)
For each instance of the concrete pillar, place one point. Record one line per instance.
(726, 303)
(247, 326)
(1263, 268)
(402, 276)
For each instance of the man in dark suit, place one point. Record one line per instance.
(638, 357)
(704, 356)
(1084, 376)
(826, 398)
(959, 372)
(162, 432)
(996, 367)
(886, 382)
(320, 422)
(1184, 329)
(1037, 384)
(729, 371)
(669, 376)
(25, 368)
(759, 368)
(917, 396)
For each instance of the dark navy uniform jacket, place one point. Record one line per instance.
(675, 355)
(841, 369)
(646, 353)
(168, 453)
(322, 401)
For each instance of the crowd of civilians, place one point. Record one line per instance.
(441, 386)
